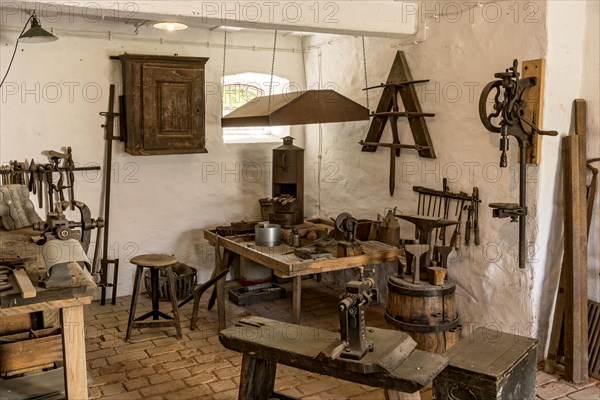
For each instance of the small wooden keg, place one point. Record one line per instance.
(427, 312)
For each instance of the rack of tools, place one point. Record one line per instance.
(41, 179)
(449, 205)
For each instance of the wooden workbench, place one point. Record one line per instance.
(69, 302)
(284, 263)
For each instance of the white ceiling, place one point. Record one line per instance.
(385, 18)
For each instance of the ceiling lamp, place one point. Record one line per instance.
(36, 34)
(170, 26)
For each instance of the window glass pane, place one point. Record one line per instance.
(241, 88)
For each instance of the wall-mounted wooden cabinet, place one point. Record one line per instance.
(164, 104)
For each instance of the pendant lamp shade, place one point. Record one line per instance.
(36, 34)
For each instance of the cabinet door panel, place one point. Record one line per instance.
(173, 108)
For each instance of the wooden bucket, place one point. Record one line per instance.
(427, 312)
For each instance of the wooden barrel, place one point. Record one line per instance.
(427, 312)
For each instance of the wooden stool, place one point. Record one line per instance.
(155, 262)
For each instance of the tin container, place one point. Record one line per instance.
(267, 235)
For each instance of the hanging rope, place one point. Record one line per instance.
(223, 78)
(272, 70)
(365, 68)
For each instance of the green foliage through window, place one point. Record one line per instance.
(237, 94)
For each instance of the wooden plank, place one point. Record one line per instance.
(45, 306)
(304, 347)
(575, 309)
(580, 111)
(24, 283)
(534, 97)
(418, 126)
(257, 380)
(73, 341)
(400, 72)
(23, 352)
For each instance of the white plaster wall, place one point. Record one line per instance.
(590, 91)
(159, 203)
(565, 62)
(460, 55)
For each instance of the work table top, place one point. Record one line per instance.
(19, 243)
(286, 264)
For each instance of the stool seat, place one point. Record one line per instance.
(153, 260)
(155, 263)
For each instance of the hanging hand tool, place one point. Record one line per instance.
(394, 152)
(41, 172)
(32, 169)
(476, 215)
(456, 236)
(468, 225)
(48, 170)
(70, 164)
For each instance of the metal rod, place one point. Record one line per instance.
(522, 204)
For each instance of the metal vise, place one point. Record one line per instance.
(346, 224)
(57, 226)
(353, 327)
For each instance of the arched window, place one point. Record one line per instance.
(239, 89)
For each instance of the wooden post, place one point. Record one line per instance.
(296, 298)
(257, 380)
(580, 111)
(73, 340)
(575, 320)
(220, 286)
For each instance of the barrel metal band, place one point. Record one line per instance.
(430, 292)
(416, 328)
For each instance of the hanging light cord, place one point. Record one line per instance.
(272, 71)
(15, 50)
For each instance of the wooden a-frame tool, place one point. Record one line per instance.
(400, 82)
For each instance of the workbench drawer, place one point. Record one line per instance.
(28, 351)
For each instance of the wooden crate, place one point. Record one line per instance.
(28, 351)
(489, 364)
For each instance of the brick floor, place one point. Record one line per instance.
(155, 365)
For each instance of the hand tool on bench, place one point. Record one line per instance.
(394, 152)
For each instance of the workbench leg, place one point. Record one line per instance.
(73, 342)
(395, 395)
(220, 287)
(257, 380)
(296, 299)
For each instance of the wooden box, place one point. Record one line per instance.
(164, 104)
(28, 351)
(243, 297)
(489, 364)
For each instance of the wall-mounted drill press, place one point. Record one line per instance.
(507, 118)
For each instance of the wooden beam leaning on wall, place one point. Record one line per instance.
(575, 256)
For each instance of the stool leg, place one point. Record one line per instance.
(154, 285)
(173, 290)
(134, 298)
